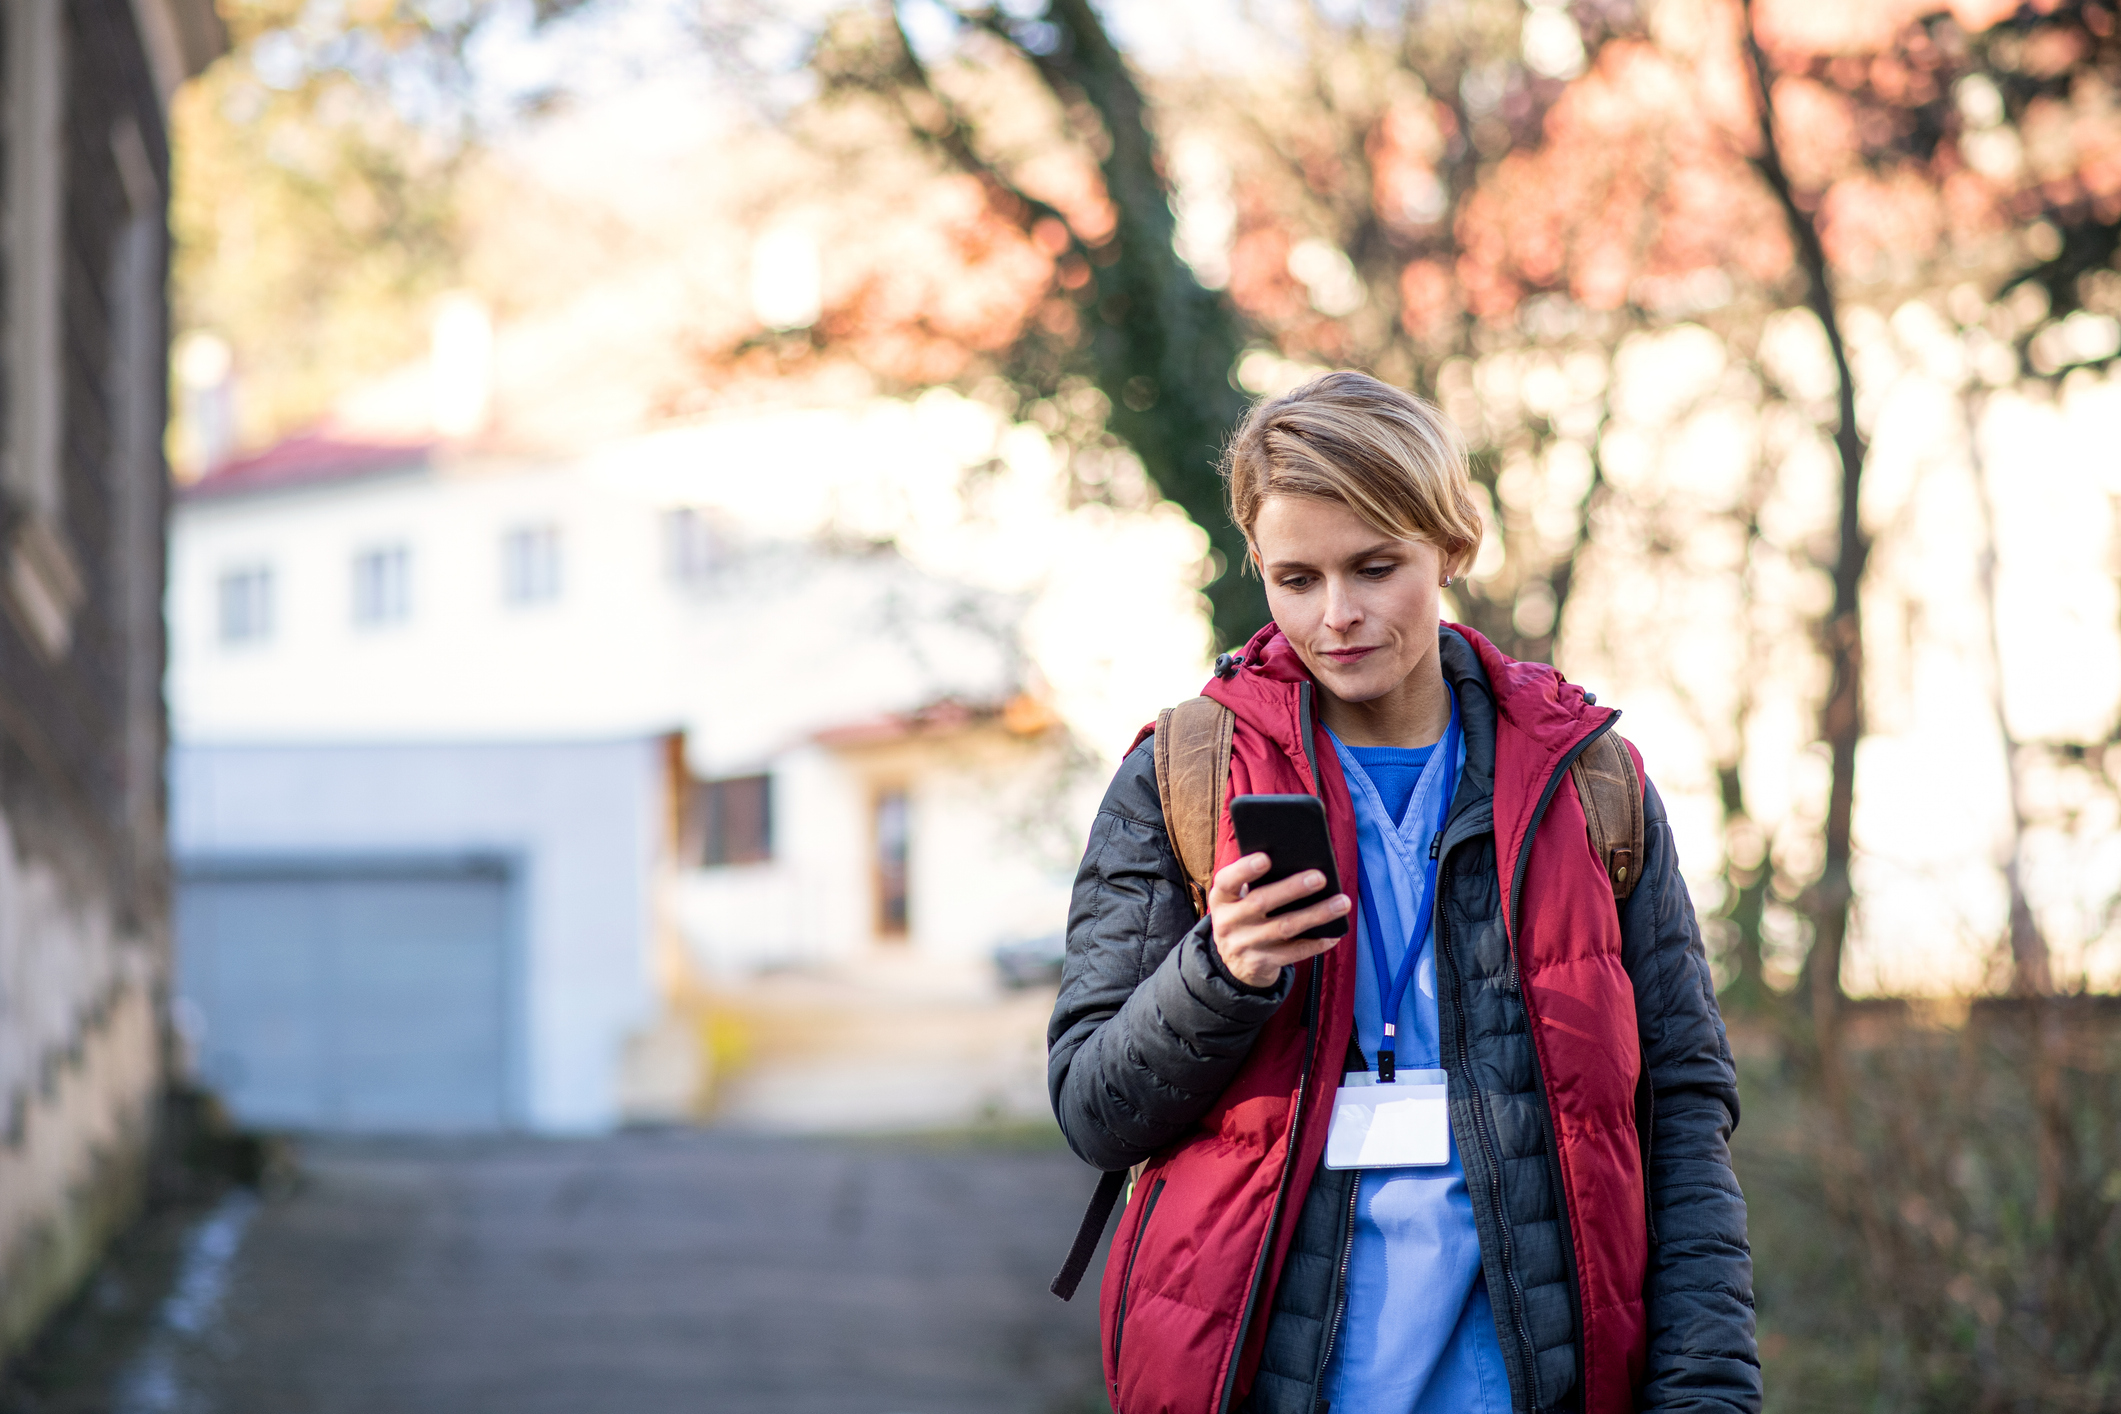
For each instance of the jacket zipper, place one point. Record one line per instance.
(1340, 1294)
(1524, 854)
(1347, 1246)
(1296, 1111)
(1303, 724)
(1126, 1281)
(1514, 982)
(1487, 1151)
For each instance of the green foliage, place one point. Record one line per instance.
(1161, 346)
(313, 227)
(316, 202)
(1134, 321)
(1153, 338)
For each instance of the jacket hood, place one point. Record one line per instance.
(1534, 698)
(1261, 684)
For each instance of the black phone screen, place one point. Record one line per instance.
(1291, 831)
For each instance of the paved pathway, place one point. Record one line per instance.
(683, 1271)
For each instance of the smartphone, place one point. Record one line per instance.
(1291, 831)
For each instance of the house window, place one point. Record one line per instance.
(893, 841)
(246, 604)
(692, 545)
(530, 564)
(735, 820)
(382, 586)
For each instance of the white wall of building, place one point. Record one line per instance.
(586, 824)
(977, 880)
(782, 639)
(807, 904)
(983, 868)
(787, 639)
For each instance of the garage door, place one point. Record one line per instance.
(366, 999)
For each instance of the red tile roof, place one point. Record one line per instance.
(307, 459)
(1021, 715)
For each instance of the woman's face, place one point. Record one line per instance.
(1359, 607)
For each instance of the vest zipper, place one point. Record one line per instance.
(1512, 979)
(1347, 1246)
(1119, 1323)
(1487, 1151)
(1303, 725)
(1296, 1111)
(1340, 1294)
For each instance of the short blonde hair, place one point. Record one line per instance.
(1393, 459)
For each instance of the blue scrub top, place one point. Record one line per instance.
(1418, 1335)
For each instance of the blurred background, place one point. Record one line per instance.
(575, 570)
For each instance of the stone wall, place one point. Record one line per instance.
(83, 494)
(80, 1053)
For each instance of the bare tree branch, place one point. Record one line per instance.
(1828, 902)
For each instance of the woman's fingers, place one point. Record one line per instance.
(1253, 908)
(1305, 919)
(1230, 880)
(1293, 951)
(1278, 934)
(1259, 962)
(1254, 946)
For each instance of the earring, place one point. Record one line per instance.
(1446, 581)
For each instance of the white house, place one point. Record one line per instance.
(482, 762)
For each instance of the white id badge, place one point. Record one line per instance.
(1401, 1125)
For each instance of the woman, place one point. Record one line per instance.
(1583, 1247)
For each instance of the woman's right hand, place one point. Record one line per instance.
(1253, 946)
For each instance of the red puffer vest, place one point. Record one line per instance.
(1187, 1285)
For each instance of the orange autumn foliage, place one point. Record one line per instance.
(1631, 184)
(944, 279)
(1626, 182)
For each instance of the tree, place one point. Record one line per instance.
(1414, 194)
(1936, 125)
(316, 202)
(1160, 344)
(1841, 635)
(1157, 346)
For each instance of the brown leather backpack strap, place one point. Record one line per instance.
(1611, 792)
(1193, 781)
